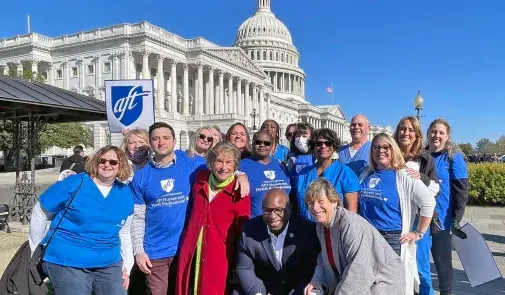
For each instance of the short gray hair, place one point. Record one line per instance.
(319, 186)
(223, 147)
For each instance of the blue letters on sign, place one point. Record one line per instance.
(127, 102)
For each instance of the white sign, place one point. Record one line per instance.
(130, 104)
(477, 259)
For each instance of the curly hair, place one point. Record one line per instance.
(325, 133)
(223, 147)
(124, 169)
(316, 188)
(277, 127)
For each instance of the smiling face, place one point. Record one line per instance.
(359, 128)
(381, 154)
(135, 142)
(262, 144)
(276, 210)
(238, 137)
(162, 141)
(223, 166)
(216, 135)
(406, 135)
(204, 141)
(322, 209)
(106, 169)
(323, 149)
(270, 127)
(438, 137)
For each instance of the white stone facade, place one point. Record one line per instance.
(197, 83)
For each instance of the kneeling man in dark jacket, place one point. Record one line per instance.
(277, 252)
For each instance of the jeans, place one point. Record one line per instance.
(393, 239)
(441, 250)
(68, 280)
(423, 264)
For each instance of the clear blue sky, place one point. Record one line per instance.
(377, 52)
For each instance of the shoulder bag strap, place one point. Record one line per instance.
(72, 197)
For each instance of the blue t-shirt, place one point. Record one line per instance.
(359, 162)
(343, 179)
(379, 201)
(298, 163)
(88, 235)
(165, 192)
(281, 153)
(445, 175)
(262, 178)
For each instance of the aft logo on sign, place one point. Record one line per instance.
(130, 104)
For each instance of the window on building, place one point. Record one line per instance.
(264, 55)
(252, 54)
(59, 74)
(277, 56)
(153, 72)
(138, 68)
(90, 69)
(74, 71)
(106, 67)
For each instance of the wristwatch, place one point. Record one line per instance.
(419, 233)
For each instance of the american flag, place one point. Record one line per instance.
(329, 90)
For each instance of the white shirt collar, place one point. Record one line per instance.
(283, 233)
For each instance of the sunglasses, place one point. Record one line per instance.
(260, 142)
(325, 143)
(202, 137)
(111, 162)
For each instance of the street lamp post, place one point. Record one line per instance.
(418, 104)
(254, 115)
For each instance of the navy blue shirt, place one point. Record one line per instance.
(88, 235)
(262, 178)
(447, 170)
(379, 200)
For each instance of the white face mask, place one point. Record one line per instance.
(301, 144)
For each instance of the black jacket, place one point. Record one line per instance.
(257, 269)
(17, 279)
(77, 161)
(427, 169)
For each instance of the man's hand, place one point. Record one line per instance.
(126, 279)
(456, 230)
(242, 183)
(143, 263)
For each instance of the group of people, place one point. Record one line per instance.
(234, 215)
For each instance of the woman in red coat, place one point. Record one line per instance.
(207, 254)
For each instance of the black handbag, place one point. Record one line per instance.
(36, 271)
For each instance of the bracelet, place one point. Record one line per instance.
(419, 234)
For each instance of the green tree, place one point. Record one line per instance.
(65, 135)
(485, 145)
(466, 148)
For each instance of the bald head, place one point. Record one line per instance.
(277, 196)
(359, 129)
(276, 210)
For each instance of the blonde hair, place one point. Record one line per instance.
(450, 146)
(124, 169)
(316, 188)
(223, 147)
(397, 161)
(194, 138)
(417, 147)
(137, 132)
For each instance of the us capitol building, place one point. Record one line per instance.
(196, 81)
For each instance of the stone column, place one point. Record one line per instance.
(160, 75)
(261, 105)
(290, 83)
(209, 103)
(173, 87)
(115, 67)
(220, 102)
(247, 105)
(230, 94)
(145, 65)
(240, 107)
(64, 65)
(34, 67)
(255, 99)
(185, 98)
(5, 69)
(303, 87)
(199, 94)
(276, 81)
(98, 75)
(50, 74)
(18, 66)
(80, 69)
(268, 107)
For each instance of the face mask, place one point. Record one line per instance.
(301, 144)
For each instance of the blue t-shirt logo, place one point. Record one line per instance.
(270, 174)
(167, 185)
(373, 182)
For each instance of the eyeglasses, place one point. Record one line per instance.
(111, 162)
(378, 148)
(202, 137)
(325, 143)
(289, 134)
(260, 142)
(276, 211)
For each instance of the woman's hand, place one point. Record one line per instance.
(126, 279)
(413, 173)
(313, 288)
(410, 238)
(242, 183)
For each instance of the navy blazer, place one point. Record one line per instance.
(257, 269)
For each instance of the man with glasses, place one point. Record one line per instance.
(277, 252)
(357, 153)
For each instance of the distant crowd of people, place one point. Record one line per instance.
(485, 158)
(240, 215)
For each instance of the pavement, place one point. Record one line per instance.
(490, 221)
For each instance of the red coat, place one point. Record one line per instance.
(222, 221)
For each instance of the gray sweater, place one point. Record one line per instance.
(365, 263)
